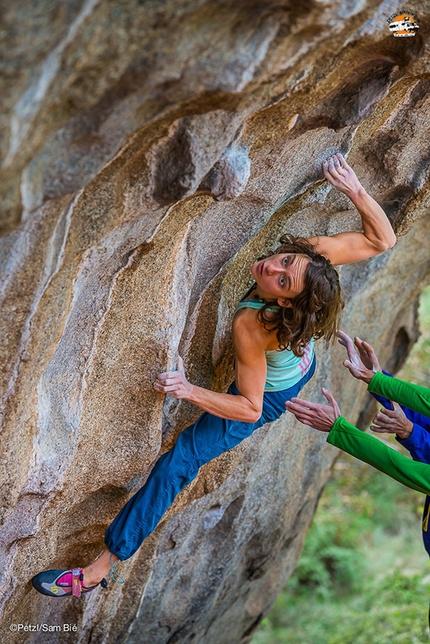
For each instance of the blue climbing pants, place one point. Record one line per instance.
(198, 444)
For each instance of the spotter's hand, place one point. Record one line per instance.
(315, 415)
(362, 364)
(174, 382)
(392, 421)
(341, 175)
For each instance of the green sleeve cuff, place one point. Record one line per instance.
(376, 380)
(333, 435)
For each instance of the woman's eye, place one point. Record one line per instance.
(286, 260)
(282, 281)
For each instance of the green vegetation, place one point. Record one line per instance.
(364, 576)
(417, 367)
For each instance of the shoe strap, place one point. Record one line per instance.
(77, 578)
(115, 576)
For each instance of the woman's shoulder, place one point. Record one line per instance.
(247, 327)
(246, 316)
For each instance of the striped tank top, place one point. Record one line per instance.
(284, 369)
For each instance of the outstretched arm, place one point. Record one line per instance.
(341, 434)
(364, 365)
(370, 450)
(316, 415)
(377, 236)
(408, 425)
(405, 393)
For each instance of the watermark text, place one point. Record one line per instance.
(43, 628)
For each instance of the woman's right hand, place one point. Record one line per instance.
(362, 364)
(174, 382)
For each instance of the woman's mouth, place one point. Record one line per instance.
(260, 268)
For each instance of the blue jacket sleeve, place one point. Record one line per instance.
(418, 443)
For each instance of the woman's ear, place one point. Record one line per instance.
(285, 303)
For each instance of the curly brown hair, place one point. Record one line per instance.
(316, 311)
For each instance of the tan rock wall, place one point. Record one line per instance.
(151, 151)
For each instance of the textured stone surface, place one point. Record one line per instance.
(151, 150)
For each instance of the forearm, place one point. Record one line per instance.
(376, 226)
(404, 393)
(225, 405)
(370, 450)
(418, 444)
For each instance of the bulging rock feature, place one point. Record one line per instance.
(151, 151)
(229, 176)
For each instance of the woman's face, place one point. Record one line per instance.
(280, 277)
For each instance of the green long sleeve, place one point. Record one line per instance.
(404, 393)
(370, 450)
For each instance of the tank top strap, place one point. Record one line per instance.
(254, 304)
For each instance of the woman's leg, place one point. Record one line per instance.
(206, 439)
(198, 444)
(201, 442)
(94, 573)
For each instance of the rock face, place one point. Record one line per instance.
(151, 150)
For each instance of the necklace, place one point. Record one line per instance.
(255, 297)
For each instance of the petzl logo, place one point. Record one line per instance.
(403, 24)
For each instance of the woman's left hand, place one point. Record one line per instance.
(315, 415)
(341, 175)
(174, 382)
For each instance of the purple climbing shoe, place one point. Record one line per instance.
(63, 583)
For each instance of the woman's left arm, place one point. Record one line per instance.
(377, 236)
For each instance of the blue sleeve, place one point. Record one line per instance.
(418, 443)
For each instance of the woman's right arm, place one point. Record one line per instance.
(251, 369)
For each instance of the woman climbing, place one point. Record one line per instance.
(296, 298)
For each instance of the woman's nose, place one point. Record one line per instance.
(272, 269)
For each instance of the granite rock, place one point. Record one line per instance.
(151, 150)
